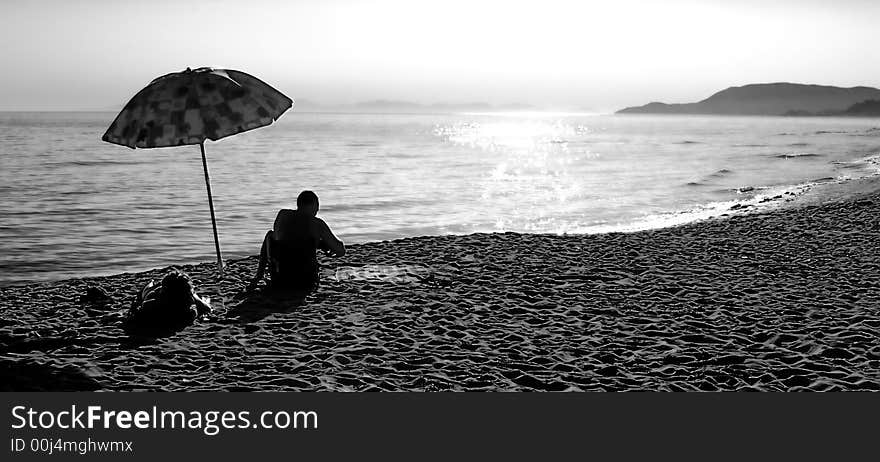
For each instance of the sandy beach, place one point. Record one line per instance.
(786, 300)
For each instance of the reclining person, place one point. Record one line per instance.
(171, 302)
(289, 249)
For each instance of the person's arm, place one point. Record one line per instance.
(264, 261)
(137, 304)
(148, 299)
(325, 236)
(202, 306)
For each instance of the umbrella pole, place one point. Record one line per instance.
(211, 204)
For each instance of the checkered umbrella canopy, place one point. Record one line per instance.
(192, 106)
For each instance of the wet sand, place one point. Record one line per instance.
(788, 300)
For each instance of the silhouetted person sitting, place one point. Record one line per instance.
(289, 249)
(171, 302)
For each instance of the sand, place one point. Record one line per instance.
(788, 300)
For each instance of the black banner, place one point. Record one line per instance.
(414, 426)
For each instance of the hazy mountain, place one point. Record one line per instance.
(768, 99)
(382, 105)
(458, 107)
(394, 106)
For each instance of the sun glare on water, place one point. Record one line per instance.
(537, 166)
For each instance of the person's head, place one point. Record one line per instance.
(307, 202)
(176, 285)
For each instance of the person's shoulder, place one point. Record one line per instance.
(285, 213)
(319, 222)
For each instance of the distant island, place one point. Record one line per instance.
(393, 106)
(788, 99)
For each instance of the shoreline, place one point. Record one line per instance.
(793, 196)
(779, 300)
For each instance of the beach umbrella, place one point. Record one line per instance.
(195, 105)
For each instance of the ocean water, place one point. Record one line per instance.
(71, 205)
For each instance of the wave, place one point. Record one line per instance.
(873, 131)
(687, 142)
(796, 155)
(709, 179)
(95, 163)
(871, 163)
(770, 198)
(376, 205)
(759, 199)
(817, 132)
(765, 198)
(847, 165)
(77, 192)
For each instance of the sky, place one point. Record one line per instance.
(555, 54)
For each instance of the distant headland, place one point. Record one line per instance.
(788, 99)
(406, 107)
